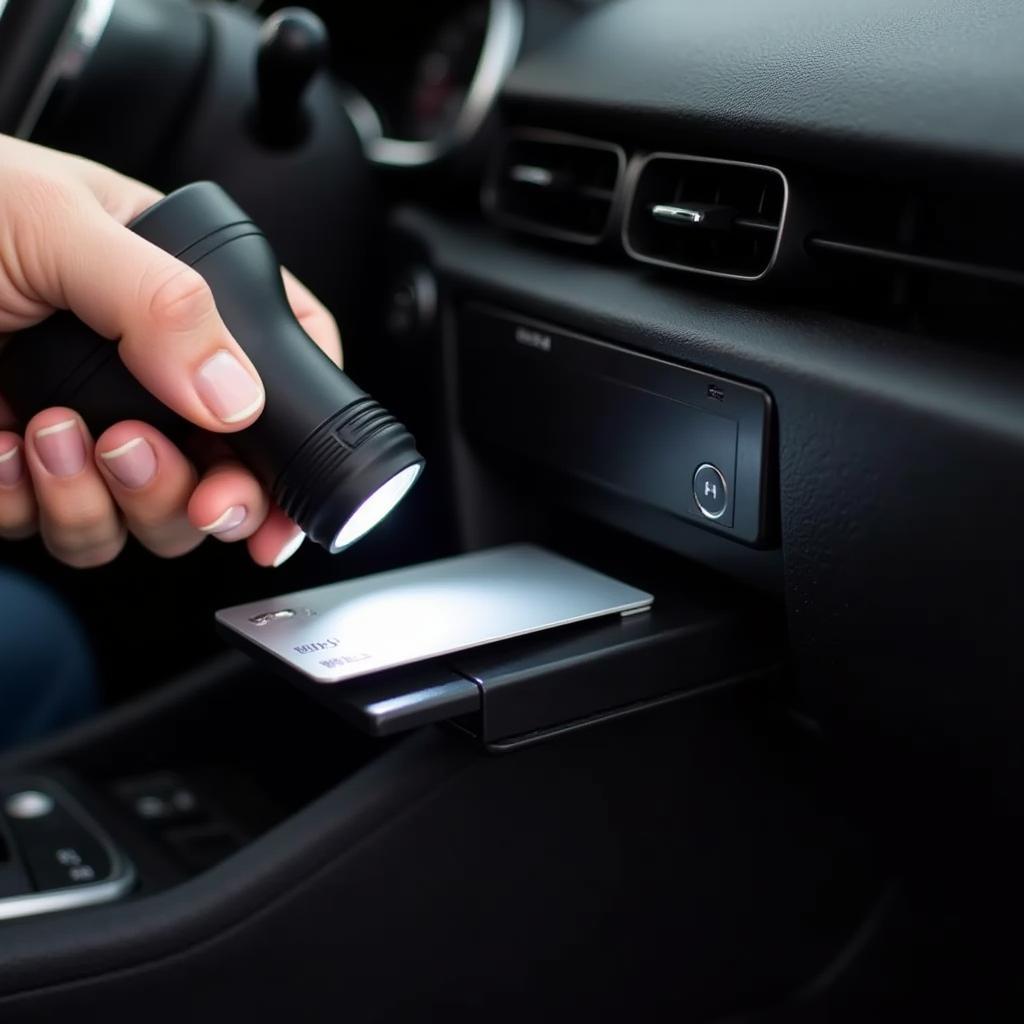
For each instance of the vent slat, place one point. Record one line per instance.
(717, 217)
(557, 185)
(918, 261)
(757, 224)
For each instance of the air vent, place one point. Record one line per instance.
(555, 185)
(710, 216)
(942, 260)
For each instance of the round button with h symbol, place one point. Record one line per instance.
(710, 492)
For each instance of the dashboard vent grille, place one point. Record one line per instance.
(942, 261)
(555, 185)
(711, 216)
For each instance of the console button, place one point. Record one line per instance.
(64, 857)
(58, 849)
(60, 857)
(161, 797)
(29, 803)
(710, 491)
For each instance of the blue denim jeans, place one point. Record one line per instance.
(47, 677)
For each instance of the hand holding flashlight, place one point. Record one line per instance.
(63, 244)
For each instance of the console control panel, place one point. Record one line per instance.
(53, 854)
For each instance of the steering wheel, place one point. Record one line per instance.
(175, 92)
(29, 33)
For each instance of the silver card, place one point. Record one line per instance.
(349, 629)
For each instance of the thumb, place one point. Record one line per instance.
(171, 336)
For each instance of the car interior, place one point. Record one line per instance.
(719, 300)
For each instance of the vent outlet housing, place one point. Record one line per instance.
(556, 185)
(710, 216)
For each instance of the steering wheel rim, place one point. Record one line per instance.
(43, 49)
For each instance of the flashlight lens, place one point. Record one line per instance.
(376, 507)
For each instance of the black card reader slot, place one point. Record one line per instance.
(520, 689)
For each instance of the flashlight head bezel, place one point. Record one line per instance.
(341, 466)
(388, 496)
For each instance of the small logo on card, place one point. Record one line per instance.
(316, 646)
(281, 614)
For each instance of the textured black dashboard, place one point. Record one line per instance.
(941, 76)
(901, 457)
(901, 494)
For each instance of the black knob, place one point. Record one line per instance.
(293, 48)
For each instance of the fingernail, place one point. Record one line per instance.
(10, 467)
(61, 448)
(289, 549)
(133, 463)
(229, 519)
(227, 389)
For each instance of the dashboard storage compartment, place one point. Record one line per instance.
(667, 436)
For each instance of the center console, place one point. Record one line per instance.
(287, 862)
(618, 811)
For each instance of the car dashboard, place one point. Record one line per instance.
(720, 298)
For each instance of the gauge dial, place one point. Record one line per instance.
(444, 72)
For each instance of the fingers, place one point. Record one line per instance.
(73, 254)
(276, 540)
(228, 504)
(63, 244)
(151, 481)
(78, 519)
(83, 499)
(122, 197)
(172, 337)
(312, 314)
(17, 500)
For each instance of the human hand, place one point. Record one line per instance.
(63, 245)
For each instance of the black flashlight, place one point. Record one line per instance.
(335, 460)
